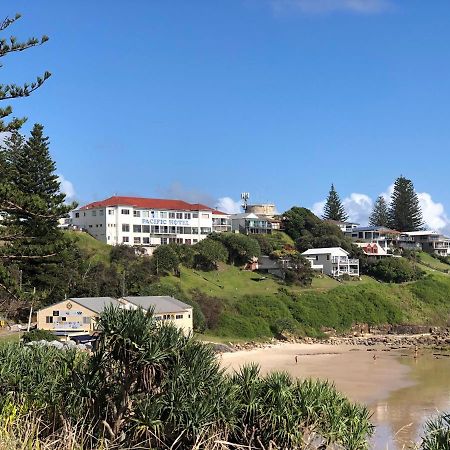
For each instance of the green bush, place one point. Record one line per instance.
(394, 270)
(241, 248)
(208, 253)
(39, 335)
(164, 260)
(437, 434)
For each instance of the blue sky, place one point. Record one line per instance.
(205, 99)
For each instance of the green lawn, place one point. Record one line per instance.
(433, 263)
(231, 282)
(97, 251)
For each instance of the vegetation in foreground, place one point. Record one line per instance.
(148, 385)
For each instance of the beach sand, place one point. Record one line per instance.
(353, 369)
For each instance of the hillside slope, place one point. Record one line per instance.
(251, 309)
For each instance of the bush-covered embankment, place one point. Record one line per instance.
(239, 308)
(148, 386)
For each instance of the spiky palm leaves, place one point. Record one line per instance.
(148, 384)
(437, 434)
(294, 414)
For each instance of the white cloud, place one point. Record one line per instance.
(359, 207)
(332, 6)
(228, 205)
(318, 207)
(67, 187)
(433, 213)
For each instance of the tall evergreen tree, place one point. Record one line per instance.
(12, 91)
(334, 209)
(405, 213)
(33, 205)
(380, 213)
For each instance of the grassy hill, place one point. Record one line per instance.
(245, 305)
(251, 309)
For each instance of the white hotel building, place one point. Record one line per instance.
(149, 222)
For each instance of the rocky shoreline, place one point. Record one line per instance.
(437, 339)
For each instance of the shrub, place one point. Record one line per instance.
(241, 248)
(39, 335)
(185, 254)
(164, 260)
(209, 252)
(437, 434)
(211, 308)
(394, 270)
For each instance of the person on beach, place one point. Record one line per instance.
(374, 357)
(296, 359)
(416, 350)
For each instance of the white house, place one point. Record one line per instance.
(431, 242)
(332, 261)
(149, 222)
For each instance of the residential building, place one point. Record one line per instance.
(249, 223)
(333, 261)
(373, 250)
(164, 308)
(75, 316)
(431, 242)
(384, 237)
(149, 222)
(345, 227)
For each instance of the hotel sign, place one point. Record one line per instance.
(173, 222)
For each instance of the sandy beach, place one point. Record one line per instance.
(353, 369)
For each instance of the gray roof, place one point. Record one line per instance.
(160, 303)
(96, 304)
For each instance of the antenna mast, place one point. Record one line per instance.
(244, 197)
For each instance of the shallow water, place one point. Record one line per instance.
(401, 416)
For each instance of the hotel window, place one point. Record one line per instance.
(187, 215)
(90, 226)
(195, 215)
(86, 320)
(100, 212)
(173, 230)
(111, 212)
(125, 211)
(137, 229)
(125, 239)
(152, 214)
(164, 229)
(136, 213)
(137, 240)
(144, 213)
(187, 242)
(125, 227)
(205, 230)
(163, 241)
(194, 241)
(179, 230)
(171, 215)
(179, 316)
(179, 215)
(49, 319)
(163, 214)
(146, 240)
(205, 216)
(187, 230)
(194, 230)
(179, 240)
(77, 214)
(146, 228)
(155, 229)
(94, 213)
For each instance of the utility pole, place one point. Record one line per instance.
(123, 284)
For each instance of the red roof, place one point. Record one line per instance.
(148, 203)
(217, 212)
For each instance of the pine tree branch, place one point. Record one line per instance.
(9, 206)
(27, 257)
